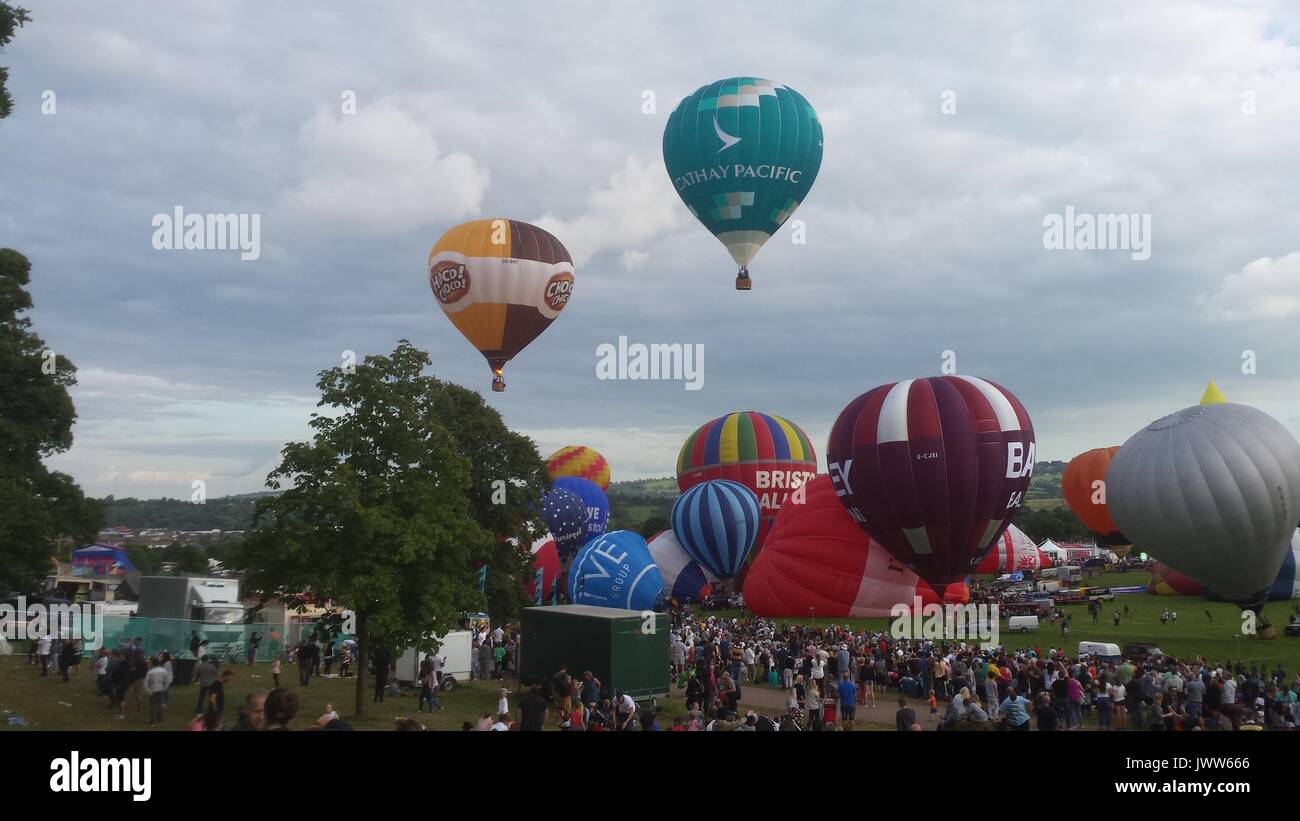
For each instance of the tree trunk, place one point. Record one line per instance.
(361, 661)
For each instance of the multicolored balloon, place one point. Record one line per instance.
(565, 515)
(769, 455)
(1083, 486)
(716, 523)
(595, 500)
(743, 154)
(546, 561)
(1213, 491)
(683, 577)
(817, 562)
(933, 469)
(615, 570)
(501, 282)
(580, 461)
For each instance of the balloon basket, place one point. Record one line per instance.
(498, 384)
(743, 282)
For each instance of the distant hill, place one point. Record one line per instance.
(222, 513)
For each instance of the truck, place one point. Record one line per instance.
(179, 605)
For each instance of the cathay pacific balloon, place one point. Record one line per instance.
(933, 469)
(616, 570)
(1213, 491)
(593, 497)
(684, 579)
(743, 154)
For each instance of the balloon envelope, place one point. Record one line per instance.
(717, 522)
(501, 282)
(818, 562)
(1212, 492)
(616, 570)
(933, 469)
(566, 517)
(580, 461)
(593, 498)
(1010, 552)
(546, 559)
(683, 577)
(767, 454)
(1084, 496)
(742, 154)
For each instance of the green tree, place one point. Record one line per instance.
(378, 510)
(11, 19)
(191, 560)
(145, 559)
(653, 523)
(36, 416)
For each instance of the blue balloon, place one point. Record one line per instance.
(1287, 584)
(566, 517)
(593, 497)
(615, 570)
(717, 523)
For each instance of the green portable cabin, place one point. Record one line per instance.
(626, 649)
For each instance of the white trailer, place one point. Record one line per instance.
(457, 648)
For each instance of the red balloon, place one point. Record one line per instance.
(1012, 551)
(546, 558)
(933, 469)
(818, 563)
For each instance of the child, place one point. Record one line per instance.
(503, 703)
(330, 714)
(275, 671)
(934, 707)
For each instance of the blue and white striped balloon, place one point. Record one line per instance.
(717, 523)
(1287, 584)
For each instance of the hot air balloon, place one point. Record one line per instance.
(1165, 581)
(1011, 551)
(716, 523)
(581, 461)
(933, 469)
(546, 561)
(1083, 485)
(767, 454)
(615, 570)
(1212, 492)
(501, 282)
(1287, 584)
(817, 560)
(683, 577)
(595, 500)
(565, 515)
(743, 154)
(1044, 560)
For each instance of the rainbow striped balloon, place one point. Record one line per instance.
(767, 454)
(580, 461)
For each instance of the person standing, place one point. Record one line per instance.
(43, 651)
(254, 639)
(206, 675)
(120, 677)
(1016, 709)
(155, 682)
(848, 697)
(533, 711)
(380, 659)
(905, 717)
(195, 641)
(304, 664)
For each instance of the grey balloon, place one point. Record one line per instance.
(1213, 491)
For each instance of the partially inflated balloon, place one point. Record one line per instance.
(501, 282)
(717, 522)
(683, 577)
(933, 469)
(1165, 581)
(1212, 492)
(1012, 551)
(767, 454)
(595, 500)
(546, 561)
(1083, 486)
(580, 461)
(743, 154)
(817, 562)
(566, 517)
(615, 570)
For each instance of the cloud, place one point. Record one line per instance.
(635, 260)
(637, 204)
(1268, 288)
(381, 172)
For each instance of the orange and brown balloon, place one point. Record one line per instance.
(501, 282)
(1083, 485)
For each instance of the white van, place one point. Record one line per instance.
(1101, 651)
(1022, 624)
(457, 648)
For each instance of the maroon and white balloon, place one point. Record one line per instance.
(933, 469)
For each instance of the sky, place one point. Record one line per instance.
(952, 132)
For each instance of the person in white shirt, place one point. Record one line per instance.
(503, 702)
(501, 725)
(155, 683)
(498, 635)
(43, 650)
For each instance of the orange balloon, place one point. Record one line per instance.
(1079, 491)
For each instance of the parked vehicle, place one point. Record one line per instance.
(1102, 651)
(1143, 652)
(1022, 624)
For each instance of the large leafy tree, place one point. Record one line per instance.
(38, 507)
(11, 19)
(380, 511)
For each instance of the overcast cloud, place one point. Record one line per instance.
(924, 229)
